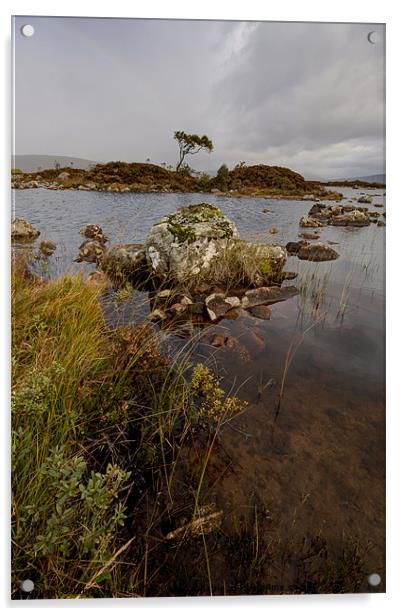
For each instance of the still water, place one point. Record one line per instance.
(317, 460)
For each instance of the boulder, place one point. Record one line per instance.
(294, 247)
(317, 252)
(307, 221)
(64, 175)
(267, 262)
(380, 223)
(324, 212)
(94, 232)
(91, 251)
(355, 218)
(125, 260)
(23, 231)
(183, 244)
(267, 295)
(352, 208)
(365, 199)
(47, 248)
(273, 230)
(218, 305)
(378, 204)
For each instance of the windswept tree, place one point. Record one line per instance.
(191, 144)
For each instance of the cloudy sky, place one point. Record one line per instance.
(302, 95)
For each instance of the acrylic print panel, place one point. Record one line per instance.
(198, 402)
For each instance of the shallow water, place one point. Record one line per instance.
(316, 460)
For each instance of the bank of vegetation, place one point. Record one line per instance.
(112, 439)
(117, 176)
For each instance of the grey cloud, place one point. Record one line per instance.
(308, 96)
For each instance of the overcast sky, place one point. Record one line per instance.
(301, 95)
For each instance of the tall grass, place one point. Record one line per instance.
(99, 417)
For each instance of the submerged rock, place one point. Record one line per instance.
(222, 340)
(21, 230)
(267, 295)
(260, 312)
(47, 248)
(184, 244)
(317, 252)
(309, 236)
(378, 204)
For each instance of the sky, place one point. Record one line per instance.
(309, 96)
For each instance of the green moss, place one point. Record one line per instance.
(265, 266)
(182, 233)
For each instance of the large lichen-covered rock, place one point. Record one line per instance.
(182, 245)
(23, 231)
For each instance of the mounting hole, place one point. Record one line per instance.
(27, 30)
(27, 585)
(374, 579)
(373, 37)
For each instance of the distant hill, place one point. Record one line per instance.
(36, 162)
(378, 178)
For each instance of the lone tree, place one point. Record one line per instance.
(191, 144)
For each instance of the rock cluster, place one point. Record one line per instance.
(337, 215)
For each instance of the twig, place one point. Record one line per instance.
(91, 582)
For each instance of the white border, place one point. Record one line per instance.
(387, 11)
